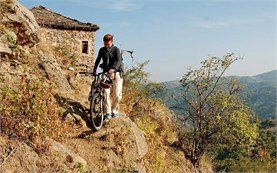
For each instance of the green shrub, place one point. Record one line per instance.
(29, 113)
(65, 57)
(10, 39)
(259, 158)
(138, 91)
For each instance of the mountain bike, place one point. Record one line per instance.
(96, 97)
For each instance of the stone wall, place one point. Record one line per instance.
(71, 40)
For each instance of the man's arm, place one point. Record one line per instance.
(98, 59)
(118, 60)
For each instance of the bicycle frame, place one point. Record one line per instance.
(98, 83)
(101, 78)
(96, 97)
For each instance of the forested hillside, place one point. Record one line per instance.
(258, 91)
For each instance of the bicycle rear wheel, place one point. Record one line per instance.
(96, 111)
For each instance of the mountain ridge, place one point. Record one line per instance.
(259, 92)
(259, 76)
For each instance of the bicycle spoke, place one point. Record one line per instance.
(96, 113)
(96, 101)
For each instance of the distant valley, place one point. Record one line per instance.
(259, 92)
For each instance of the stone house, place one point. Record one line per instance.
(64, 32)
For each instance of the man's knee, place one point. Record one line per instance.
(117, 98)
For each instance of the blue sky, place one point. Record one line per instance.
(177, 34)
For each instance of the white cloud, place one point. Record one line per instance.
(120, 5)
(227, 23)
(123, 6)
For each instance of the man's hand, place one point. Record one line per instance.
(93, 73)
(111, 71)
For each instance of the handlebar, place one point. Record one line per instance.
(98, 79)
(92, 73)
(86, 73)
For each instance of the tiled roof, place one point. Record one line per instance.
(48, 18)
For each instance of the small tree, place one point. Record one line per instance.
(138, 90)
(214, 113)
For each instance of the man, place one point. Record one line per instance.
(112, 63)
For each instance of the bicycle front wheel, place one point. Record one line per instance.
(96, 111)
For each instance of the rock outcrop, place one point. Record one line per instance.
(20, 26)
(53, 70)
(68, 155)
(19, 35)
(120, 146)
(16, 156)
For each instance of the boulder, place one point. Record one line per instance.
(17, 157)
(120, 146)
(18, 27)
(4, 48)
(68, 154)
(21, 21)
(125, 125)
(53, 70)
(142, 146)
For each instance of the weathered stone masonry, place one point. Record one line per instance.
(72, 40)
(61, 31)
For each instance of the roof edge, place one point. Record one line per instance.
(93, 28)
(89, 27)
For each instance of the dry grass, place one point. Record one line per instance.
(66, 59)
(29, 113)
(155, 120)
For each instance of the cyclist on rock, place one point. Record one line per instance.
(111, 63)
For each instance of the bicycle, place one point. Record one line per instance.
(96, 96)
(100, 82)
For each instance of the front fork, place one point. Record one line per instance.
(92, 90)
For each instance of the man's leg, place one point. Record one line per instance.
(107, 102)
(116, 93)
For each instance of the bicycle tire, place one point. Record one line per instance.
(96, 111)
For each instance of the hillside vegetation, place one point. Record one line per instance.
(258, 91)
(45, 125)
(43, 108)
